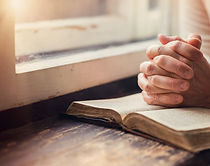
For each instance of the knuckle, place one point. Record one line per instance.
(171, 53)
(147, 88)
(179, 85)
(149, 69)
(148, 50)
(153, 51)
(184, 70)
(143, 66)
(176, 45)
(155, 97)
(152, 79)
(159, 50)
(180, 68)
(161, 60)
(173, 83)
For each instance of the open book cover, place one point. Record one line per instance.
(188, 128)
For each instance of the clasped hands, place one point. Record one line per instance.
(177, 73)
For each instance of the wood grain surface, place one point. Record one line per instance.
(65, 140)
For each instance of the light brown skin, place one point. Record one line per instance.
(177, 73)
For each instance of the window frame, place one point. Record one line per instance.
(35, 84)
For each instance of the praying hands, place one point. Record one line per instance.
(177, 73)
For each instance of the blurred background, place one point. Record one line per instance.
(48, 26)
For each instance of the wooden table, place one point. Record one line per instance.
(63, 140)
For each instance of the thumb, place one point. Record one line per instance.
(166, 39)
(195, 40)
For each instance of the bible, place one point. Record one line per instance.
(187, 128)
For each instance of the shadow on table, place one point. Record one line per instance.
(200, 159)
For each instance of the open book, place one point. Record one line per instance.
(188, 128)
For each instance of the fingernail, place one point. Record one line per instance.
(178, 99)
(183, 86)
(187, 74)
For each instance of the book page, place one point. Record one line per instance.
(181, 119)
(122, 105)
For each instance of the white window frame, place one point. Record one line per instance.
(49, 78)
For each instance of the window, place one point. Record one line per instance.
(75, 47)
(74, 24)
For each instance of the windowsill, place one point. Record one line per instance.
(67, 58)
(56, 76)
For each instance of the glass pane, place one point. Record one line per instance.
(44, 27)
